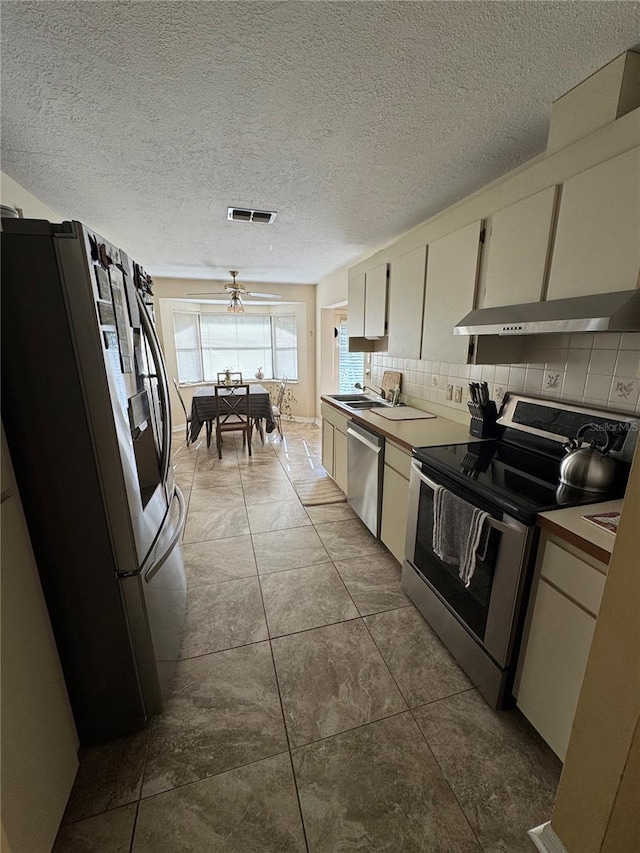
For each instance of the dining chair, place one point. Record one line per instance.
(257, 425)
(233, 414)
(187, 416)
(236, 377)
(277, 407)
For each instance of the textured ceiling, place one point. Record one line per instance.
(354, 120)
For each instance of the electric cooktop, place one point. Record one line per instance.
(520, 482)
(519, 473)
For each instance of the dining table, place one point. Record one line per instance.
(204, 410)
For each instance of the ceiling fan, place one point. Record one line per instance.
(235, 290)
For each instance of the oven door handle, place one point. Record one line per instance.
(499, 525)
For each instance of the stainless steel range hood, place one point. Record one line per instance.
(602, 312)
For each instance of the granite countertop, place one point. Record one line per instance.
(408, 434)
(569, 525)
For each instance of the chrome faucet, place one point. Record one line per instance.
(365, 387)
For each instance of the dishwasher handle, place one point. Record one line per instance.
(377, 448)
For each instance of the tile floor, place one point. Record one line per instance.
(313, 708)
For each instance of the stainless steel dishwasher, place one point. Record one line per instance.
(365, 460)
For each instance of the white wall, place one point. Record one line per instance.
(13, 195)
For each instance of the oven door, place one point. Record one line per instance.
(488, 608)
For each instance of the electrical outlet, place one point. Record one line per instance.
(449, 392)
(458, 394)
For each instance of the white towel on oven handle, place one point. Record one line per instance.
(460, 532)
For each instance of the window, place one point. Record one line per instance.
(285, 349)
(208, 343)
(185, 327)
(351, 364)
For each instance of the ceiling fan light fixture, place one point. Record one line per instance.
(235, 305)
(235, 290)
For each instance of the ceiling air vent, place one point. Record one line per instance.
(245, 214)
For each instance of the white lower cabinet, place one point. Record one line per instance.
(334, 445)
(560, 625)
(327, 446)
(340, 459)
(395, 500)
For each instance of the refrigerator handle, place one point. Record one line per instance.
(163, 385)
(155, 567)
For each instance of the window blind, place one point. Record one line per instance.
(351, 364)
(185, 327)
(240, 342)
(285, 338)
(208, 343)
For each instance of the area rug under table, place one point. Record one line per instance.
(318, 490)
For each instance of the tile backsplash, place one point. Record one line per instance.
(601, 369)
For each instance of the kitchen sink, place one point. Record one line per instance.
(358, 401)
(367, 404)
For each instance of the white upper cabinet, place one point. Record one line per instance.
(367, 297)
(406, 300)
(452, 274)
(375, 302)
(597, 245)
(356, 306)
(519, 250)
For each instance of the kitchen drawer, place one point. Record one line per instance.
(573, 576)
(397, 459)
(335, 418)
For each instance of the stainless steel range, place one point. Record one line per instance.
(512, 478)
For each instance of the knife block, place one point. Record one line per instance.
(484, 418)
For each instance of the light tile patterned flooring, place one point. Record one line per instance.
(313, 708)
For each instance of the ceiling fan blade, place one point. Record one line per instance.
(265, 295)
(225, 294)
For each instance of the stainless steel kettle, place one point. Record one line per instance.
(588, 468)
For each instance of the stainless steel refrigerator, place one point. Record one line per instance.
(85, 405)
